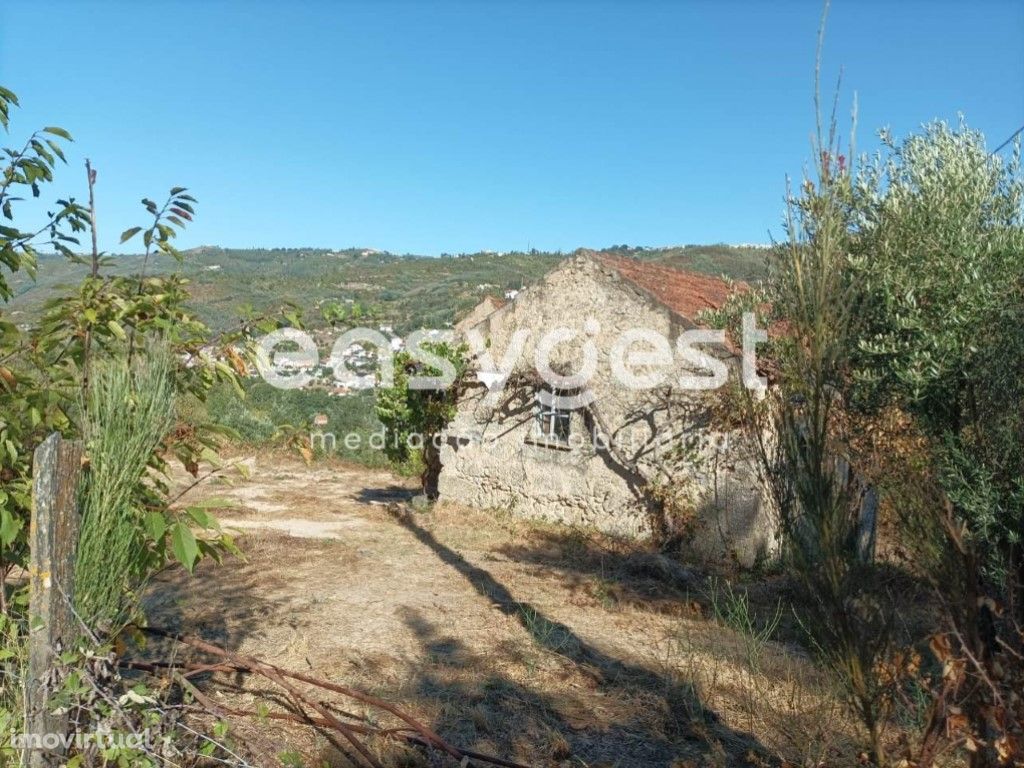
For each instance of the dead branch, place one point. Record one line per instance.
(394, 733)
(416, 733)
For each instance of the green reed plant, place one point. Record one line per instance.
(128, 412)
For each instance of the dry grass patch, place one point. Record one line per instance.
(545, 645)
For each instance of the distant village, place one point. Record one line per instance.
(357, 358)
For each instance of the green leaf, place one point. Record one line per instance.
(6, 95)
(156, 525)
(227, 542)
(117, 330)
(183, 544)
(203, 518)
(9, 527)
(128, 234)
(55, 131)
(56, 149)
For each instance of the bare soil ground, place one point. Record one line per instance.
(545, 645)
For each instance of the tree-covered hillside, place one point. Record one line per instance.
(403, 291)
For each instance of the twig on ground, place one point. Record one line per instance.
(415, 733)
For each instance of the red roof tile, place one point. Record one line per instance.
(686, 293)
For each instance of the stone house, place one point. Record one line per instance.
(591, 447)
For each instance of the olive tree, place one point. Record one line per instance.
(940, 266)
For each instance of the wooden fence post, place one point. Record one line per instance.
(53, 538)
(867, 525)
(866, 511)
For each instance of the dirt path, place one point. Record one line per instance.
(536, 643)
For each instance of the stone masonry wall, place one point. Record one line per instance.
(495, 457)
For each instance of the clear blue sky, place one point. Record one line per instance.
(457, 126)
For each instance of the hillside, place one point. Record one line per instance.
(403, 291)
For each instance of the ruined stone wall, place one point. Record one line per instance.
(479, 313)
(495, 457)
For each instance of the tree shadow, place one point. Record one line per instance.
(387, 495)
(630, 573)
(222, 603)
(682, 728)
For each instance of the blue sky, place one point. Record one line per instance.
(457, 126)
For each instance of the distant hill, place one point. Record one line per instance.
(405, 292)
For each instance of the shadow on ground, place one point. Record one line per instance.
(623, 572)
(223, 603)
(675, 726)
(388, 495)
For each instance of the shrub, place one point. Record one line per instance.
(410, 415)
